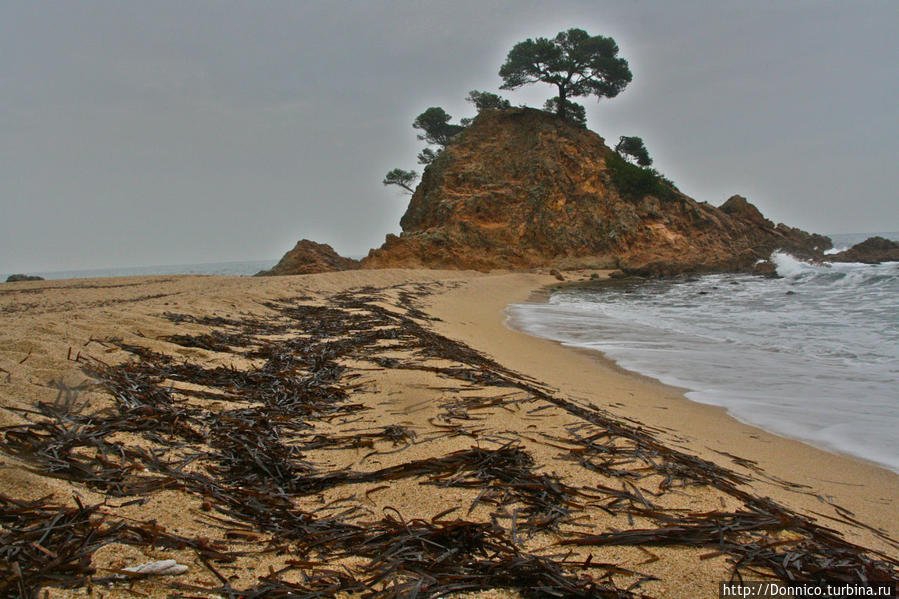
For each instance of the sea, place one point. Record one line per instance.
(811, 355)
(237, 269)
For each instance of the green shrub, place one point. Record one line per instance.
(636, 182)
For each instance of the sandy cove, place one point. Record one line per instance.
(421, 429)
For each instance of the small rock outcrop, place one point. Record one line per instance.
(20, 277)
(309, 257)
(873, 250)
(520, 188)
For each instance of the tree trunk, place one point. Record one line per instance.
(561, 108)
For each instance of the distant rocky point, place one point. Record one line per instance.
(309, 257)
(873, 250)
(21, 277)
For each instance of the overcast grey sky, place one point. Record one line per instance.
(167, 132)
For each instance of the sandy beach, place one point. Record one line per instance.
(401, 427)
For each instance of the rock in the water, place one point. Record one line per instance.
(520, 188)
(309, 257)
(21, 277)
(873, 250)
(765, 267)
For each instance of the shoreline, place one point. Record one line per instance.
(541, 297)
(603, 361)
(700, 428)
(608, 363)
(467, 383)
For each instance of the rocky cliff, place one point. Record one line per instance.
(520, 188)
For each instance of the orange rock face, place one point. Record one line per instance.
(520, 188)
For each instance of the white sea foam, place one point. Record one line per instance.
(812, 355)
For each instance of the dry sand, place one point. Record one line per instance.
(44, 326)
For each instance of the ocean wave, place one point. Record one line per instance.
(812, 355)
(839, 273)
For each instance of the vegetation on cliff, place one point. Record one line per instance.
(437, 130)
(401, 178)
(635, 181)
(633, 148)
(485, 101)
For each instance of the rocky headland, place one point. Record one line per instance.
(522, 188)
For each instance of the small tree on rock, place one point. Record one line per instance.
(436, 130)
(632, 148)
(436, 127)
(427, 156)
(401, 178)
(577, 63)
(487, 100)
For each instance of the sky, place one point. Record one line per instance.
(174, 132)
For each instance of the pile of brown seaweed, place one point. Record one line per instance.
(254, 463)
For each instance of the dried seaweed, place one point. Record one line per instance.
(46, 544)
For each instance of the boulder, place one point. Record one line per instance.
(739, 207)
(309, 257)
